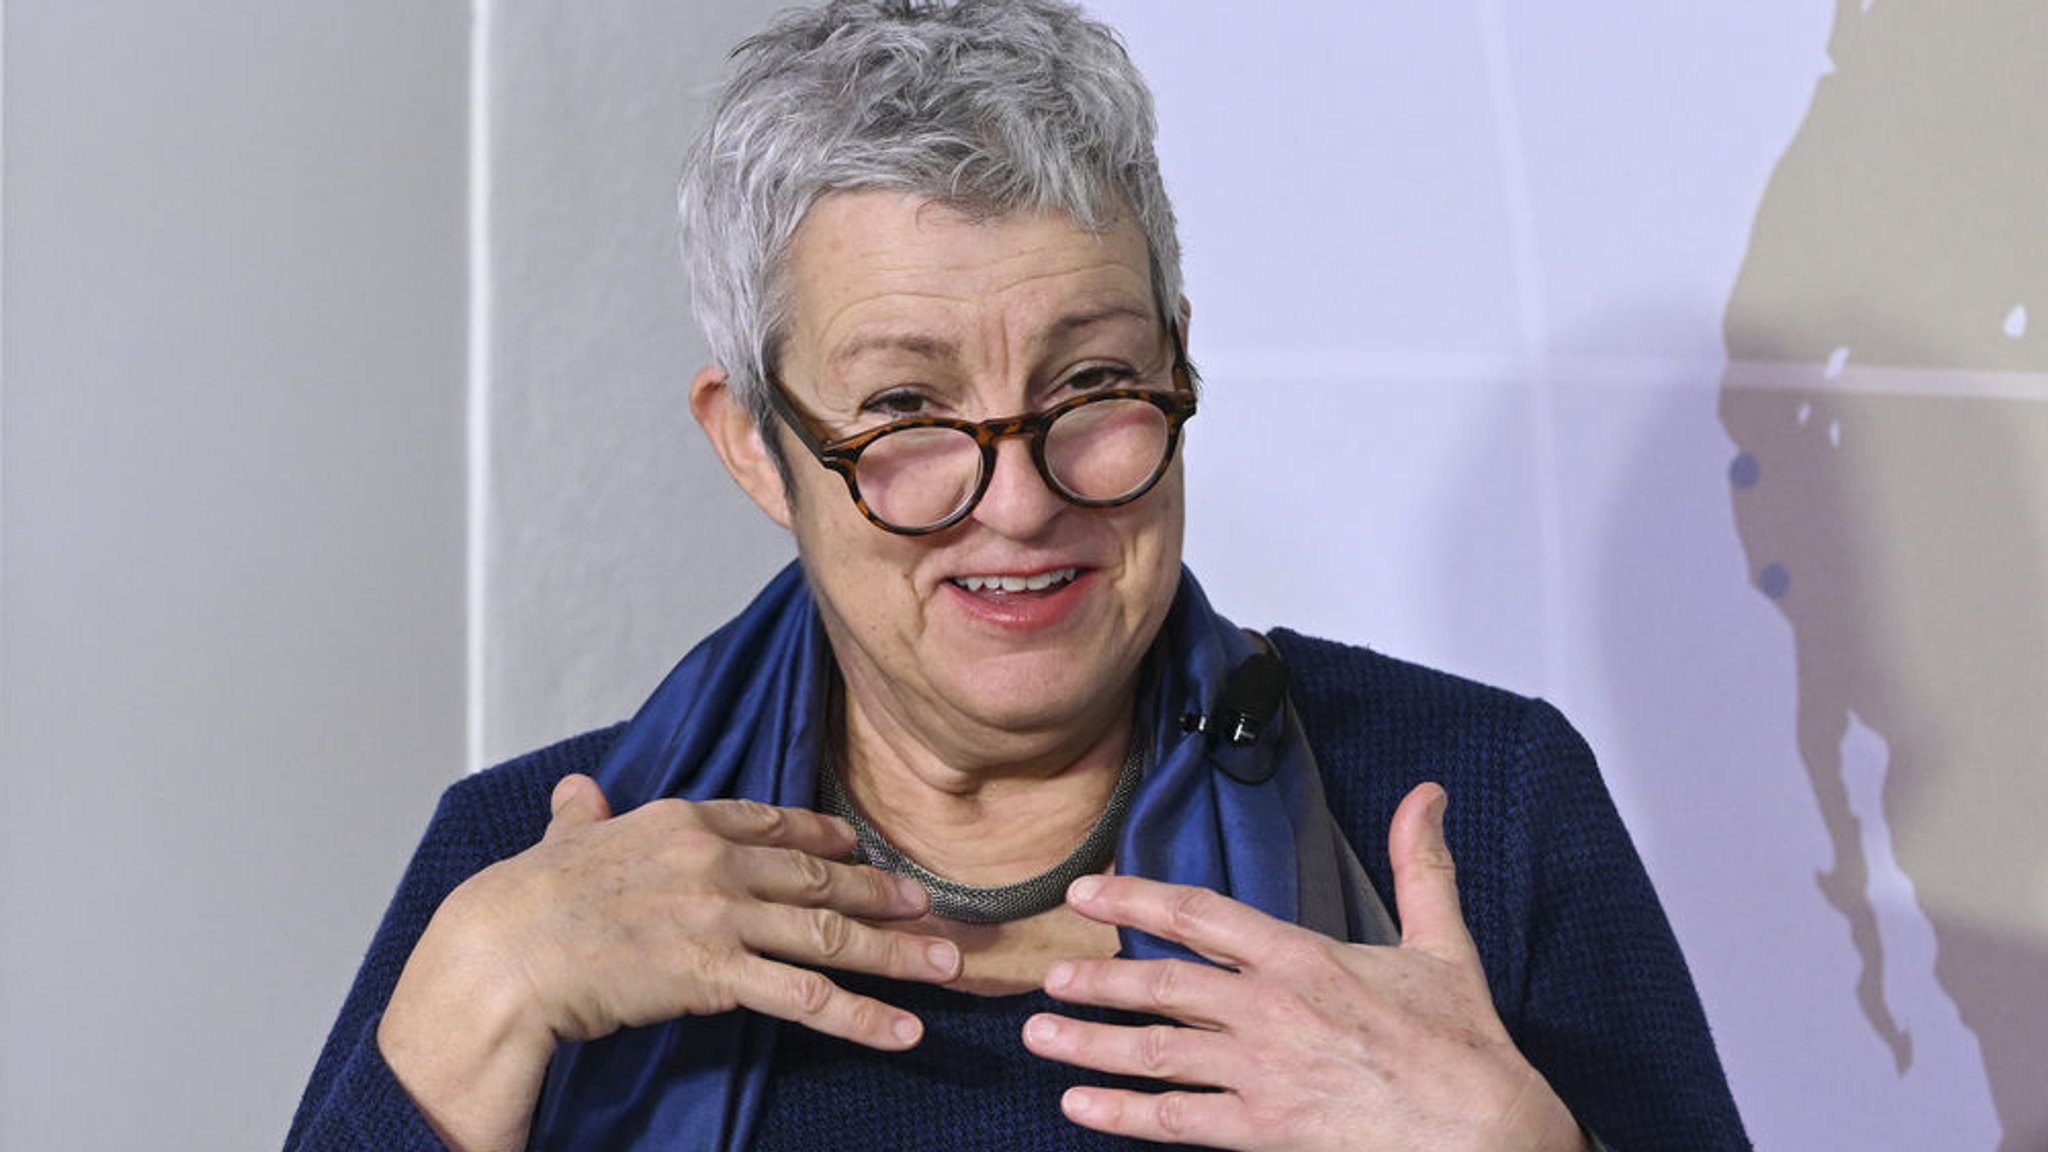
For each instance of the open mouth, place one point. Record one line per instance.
(1042, 582)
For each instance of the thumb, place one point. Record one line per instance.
(577, 800)
(1425, 876)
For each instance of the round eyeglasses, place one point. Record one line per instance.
(925, 474)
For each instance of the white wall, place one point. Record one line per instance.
(232, 541)
(613, 538)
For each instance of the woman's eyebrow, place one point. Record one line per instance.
(1106, 315)
(919, 344)
(946, 350)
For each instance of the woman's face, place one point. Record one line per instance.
(902, 307)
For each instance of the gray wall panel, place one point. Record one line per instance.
(233, 444)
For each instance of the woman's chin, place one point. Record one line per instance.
(1059, 692)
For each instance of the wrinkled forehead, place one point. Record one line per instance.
(873, 260)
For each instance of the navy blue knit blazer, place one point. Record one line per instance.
(1582, 963)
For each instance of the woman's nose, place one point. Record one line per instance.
(1018, 503)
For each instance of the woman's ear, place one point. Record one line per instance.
(738, 442)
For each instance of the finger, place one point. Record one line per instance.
(1425, 876)
(824, 937)
(1189, 992)
(802, 996)
(1204, 1119)
(575, 802)
(793, 876)
(1224, 930)
(1157, 1051)
(752, 822)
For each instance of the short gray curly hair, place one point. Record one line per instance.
(987, 106)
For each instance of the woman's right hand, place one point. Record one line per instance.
(673, 909)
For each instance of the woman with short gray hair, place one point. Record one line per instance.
(980, 828)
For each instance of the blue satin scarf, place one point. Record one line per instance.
(743, 715)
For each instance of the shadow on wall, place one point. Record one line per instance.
(1887, 391)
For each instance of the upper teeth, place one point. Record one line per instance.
(1036, 583)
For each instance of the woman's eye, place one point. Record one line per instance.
(898, 405)
(1097, 377)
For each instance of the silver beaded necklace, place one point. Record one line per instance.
(973, 903)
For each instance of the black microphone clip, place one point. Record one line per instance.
(1251, 697)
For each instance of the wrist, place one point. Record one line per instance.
(1545, 1123)
(462, 1040)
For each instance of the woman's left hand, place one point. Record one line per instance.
(1300, 1041)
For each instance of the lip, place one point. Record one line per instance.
(1023, 610)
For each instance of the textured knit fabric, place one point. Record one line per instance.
(1581, 962)
(969, 1084)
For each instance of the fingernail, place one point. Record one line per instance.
(1436, 809)
(1085, 888)
(1059, 976)
(1078, 1102)
(943, 956)
(1042, 1029)
(907, 1029)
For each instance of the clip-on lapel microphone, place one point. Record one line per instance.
(1251, 697)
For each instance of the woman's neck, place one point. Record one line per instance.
(986, 823)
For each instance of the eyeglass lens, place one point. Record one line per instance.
(1102, 452)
